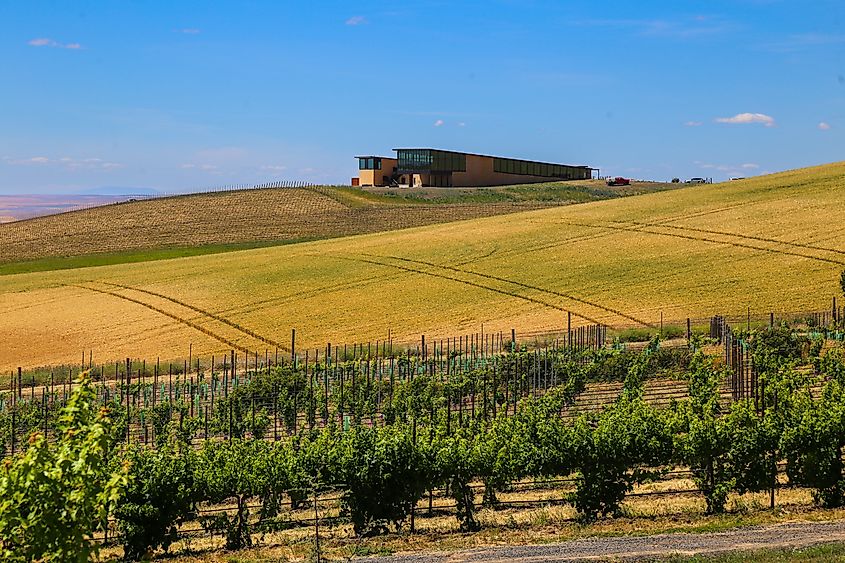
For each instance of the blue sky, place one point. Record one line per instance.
(185, 95)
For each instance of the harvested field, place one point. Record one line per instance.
(712, 249)
(273, 215)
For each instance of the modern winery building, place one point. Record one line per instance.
(439, 168)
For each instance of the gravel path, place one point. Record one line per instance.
(639, 548)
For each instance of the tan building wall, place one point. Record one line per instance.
(378, 177)
(480, 173)
(367, 177)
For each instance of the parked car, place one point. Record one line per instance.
(737, 178)
(618, 181)
(696, 181)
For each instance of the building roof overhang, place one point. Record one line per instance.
(494, 156)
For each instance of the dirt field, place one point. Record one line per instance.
(771, 243)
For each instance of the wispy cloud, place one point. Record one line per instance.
(693, 124)
(64, 162)
(679, 28)
(729, 168)
(47, 42)
(742, 118)
(273, 168)
(823, 126)
(203, 167)
(356, 20)
(188, 30)
(439, 123)
(801, 41)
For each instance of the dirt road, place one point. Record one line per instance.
(642, 548)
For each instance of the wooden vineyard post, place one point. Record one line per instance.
(326, 384)
(771, 320)
(293, 346)
(316, 524)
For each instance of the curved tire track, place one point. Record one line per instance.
(524, 285)
(472, 284)
(710, 240)
(737, 235)
(204, 313)
(169, 315)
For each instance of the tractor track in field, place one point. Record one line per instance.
(204, 313)
(523, 285)
(596, 236)
(471, 284)
(704, 239)
(737, 235)
(169, 315)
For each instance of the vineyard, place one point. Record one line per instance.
(366, 441)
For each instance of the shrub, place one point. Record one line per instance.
(53, 497)
(384, 475)
(237, 470)
(161, 494)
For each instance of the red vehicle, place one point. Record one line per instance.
(618, 181)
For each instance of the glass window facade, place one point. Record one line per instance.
(369, 163)
(427, 160)
(541, 169)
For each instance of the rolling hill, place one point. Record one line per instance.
(205, 223)
(772, 243)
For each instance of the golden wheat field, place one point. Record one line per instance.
(273, 215)
(773, 243)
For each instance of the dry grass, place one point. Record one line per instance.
(758, 243)
(515, 526)
(271, 215)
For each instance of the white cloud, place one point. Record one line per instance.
(203, 167)
(766, 120)
(65, 162)
(47, 42)
(461, 124)
(823, 126)
(273, 168)
(728, 168)
(356, 20)
(693, 124)
(188, 30)
(439, 122)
